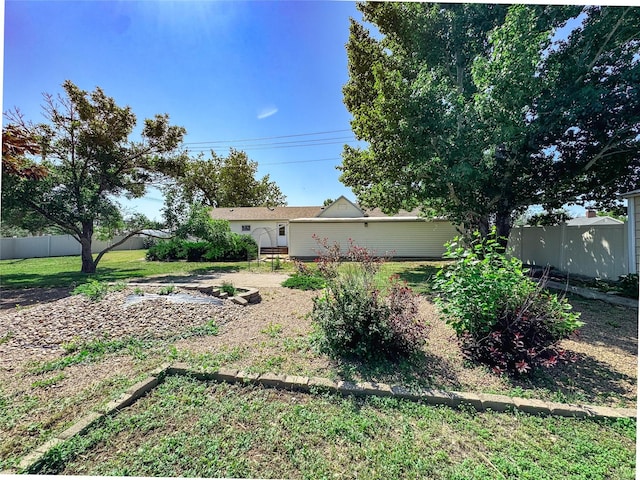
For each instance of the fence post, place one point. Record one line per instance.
(563, 241)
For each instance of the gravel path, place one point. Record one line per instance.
(246, 279)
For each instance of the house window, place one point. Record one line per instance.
(246, 228)
(281, 231)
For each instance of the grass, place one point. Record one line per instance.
(129, 264)
(91, 352)
(114, 266)
(292, 435)
(188, 428)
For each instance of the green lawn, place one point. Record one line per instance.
(190, 428)
(128, 264)
(114, 266)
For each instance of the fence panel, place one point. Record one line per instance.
(594, 251)
(58, 246)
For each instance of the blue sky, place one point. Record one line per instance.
(224, 70)
(228, 71)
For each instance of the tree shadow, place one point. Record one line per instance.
(60, 279)
(419, 278)
(188, 275)
(589, 380)
(421, 370)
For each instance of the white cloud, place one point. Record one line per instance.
(267, 112)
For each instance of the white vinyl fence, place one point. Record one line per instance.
(58, 246)
(595, 251)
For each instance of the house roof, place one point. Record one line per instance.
(583, 221)
(291, 213)
(264, 213)
(632, 193)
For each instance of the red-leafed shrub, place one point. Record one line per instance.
(359, 315)
(502, 317)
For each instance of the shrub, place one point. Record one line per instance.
(194, 251)
(304, 282)
(166, 250)
(628, 285)
(93, 290)
(356, 317)
(231, 247)
(502, 318)
(228, 288)
(166, 290)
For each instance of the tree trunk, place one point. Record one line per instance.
(503, 228)
(88, 265)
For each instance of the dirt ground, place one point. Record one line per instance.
(273, 336)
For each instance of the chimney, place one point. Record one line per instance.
(591, 214)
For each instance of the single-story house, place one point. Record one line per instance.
(291, 229)
(592, 218)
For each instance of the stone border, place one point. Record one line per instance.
(247, 296)
(480, 401)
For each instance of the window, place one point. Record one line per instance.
(281, 230)
(246, 228)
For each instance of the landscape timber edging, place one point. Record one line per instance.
(480, 401)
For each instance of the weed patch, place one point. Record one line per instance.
(87, 352)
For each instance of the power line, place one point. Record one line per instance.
(313, 140)
(269, 138)
(249, 147)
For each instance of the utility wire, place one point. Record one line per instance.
(313, 140)
(268, 138)
(204, 149)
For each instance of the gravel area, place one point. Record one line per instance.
(37, 332)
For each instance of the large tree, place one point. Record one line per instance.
(477, 111)
(218, 182)
(90, 161)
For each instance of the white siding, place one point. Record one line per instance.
(399, 238)
(341, 208)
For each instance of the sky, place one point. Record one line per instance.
(260, 76)
(265, 77)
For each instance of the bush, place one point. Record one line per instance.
(628, 285)
(304, 282)
(194, 251)
(166, 250)
(242, 247)
(228, 288)
(304, 278)
(501, 317)
(96, 290)
(231, 247)
(355, 317)
(93, 290)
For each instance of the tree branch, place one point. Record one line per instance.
(66, 226)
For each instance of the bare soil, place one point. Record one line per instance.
(273, 336)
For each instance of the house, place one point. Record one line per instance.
(633, 214)
(592, 218)
(291, 229)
